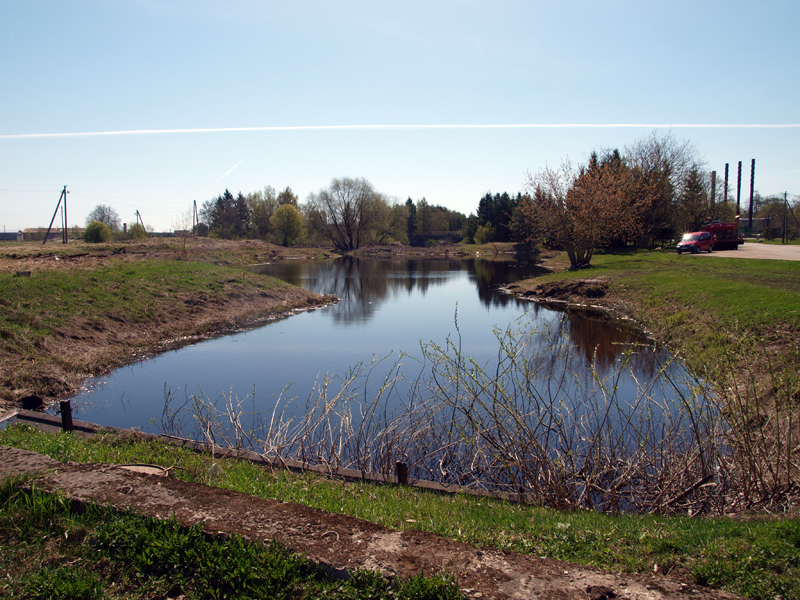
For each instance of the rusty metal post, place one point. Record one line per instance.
(66, 415)
(401, 469)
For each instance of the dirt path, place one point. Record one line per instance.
(340, 544)
(756, 250)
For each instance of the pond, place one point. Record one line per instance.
(429, 363)
(385, 308)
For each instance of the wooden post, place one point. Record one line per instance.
(785, 238)
(64, 196)
(66, 415)
(401, 469)
(64, 234)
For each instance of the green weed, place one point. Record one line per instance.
(59, 550)
(714, 551)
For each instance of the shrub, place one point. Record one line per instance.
(97, 232)
(771, 233)
(137, 232)
(485, 234)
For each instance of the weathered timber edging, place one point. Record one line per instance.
(53, 424)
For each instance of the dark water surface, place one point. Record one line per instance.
(385, 308)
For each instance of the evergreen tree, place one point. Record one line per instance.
(227, 217)
(412, 218)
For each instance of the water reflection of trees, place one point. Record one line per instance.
(363, 285)
(545, 435)
(602, 343)
(488, 275)
(590, 346)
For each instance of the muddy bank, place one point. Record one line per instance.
(53, 339)
(87, 349)
(587, 297)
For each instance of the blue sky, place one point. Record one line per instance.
(155, 65)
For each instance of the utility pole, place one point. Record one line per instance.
(195, 218)
(63, 197)
(139, 218)
(64, 234)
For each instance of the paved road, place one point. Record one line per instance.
(756, 250)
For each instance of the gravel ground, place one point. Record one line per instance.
(756, 250)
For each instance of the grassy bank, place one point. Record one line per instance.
(53, 549)
(85, 308)
(703, 308)
(736, 323)
(758, 558)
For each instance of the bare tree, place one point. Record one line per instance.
(105, 214)
(660, 165)
(183, 231)
(346, 213)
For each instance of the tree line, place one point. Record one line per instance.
(348, 214)
(651, 191)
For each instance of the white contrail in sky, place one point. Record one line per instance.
(229, 170)
(398, 127)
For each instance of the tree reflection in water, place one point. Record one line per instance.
(362, 284)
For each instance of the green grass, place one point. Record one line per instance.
(43, 313)
(125, 292)
(52, 549)
(757, 558)
(704, 308)
(732, 289)
(778, 241)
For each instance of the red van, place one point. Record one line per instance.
(695, 242)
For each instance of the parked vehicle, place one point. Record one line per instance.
(725, 236)
(695, 242)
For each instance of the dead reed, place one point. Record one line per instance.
(533, 423)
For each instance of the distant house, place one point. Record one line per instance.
(11, 237)
(37, 233)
